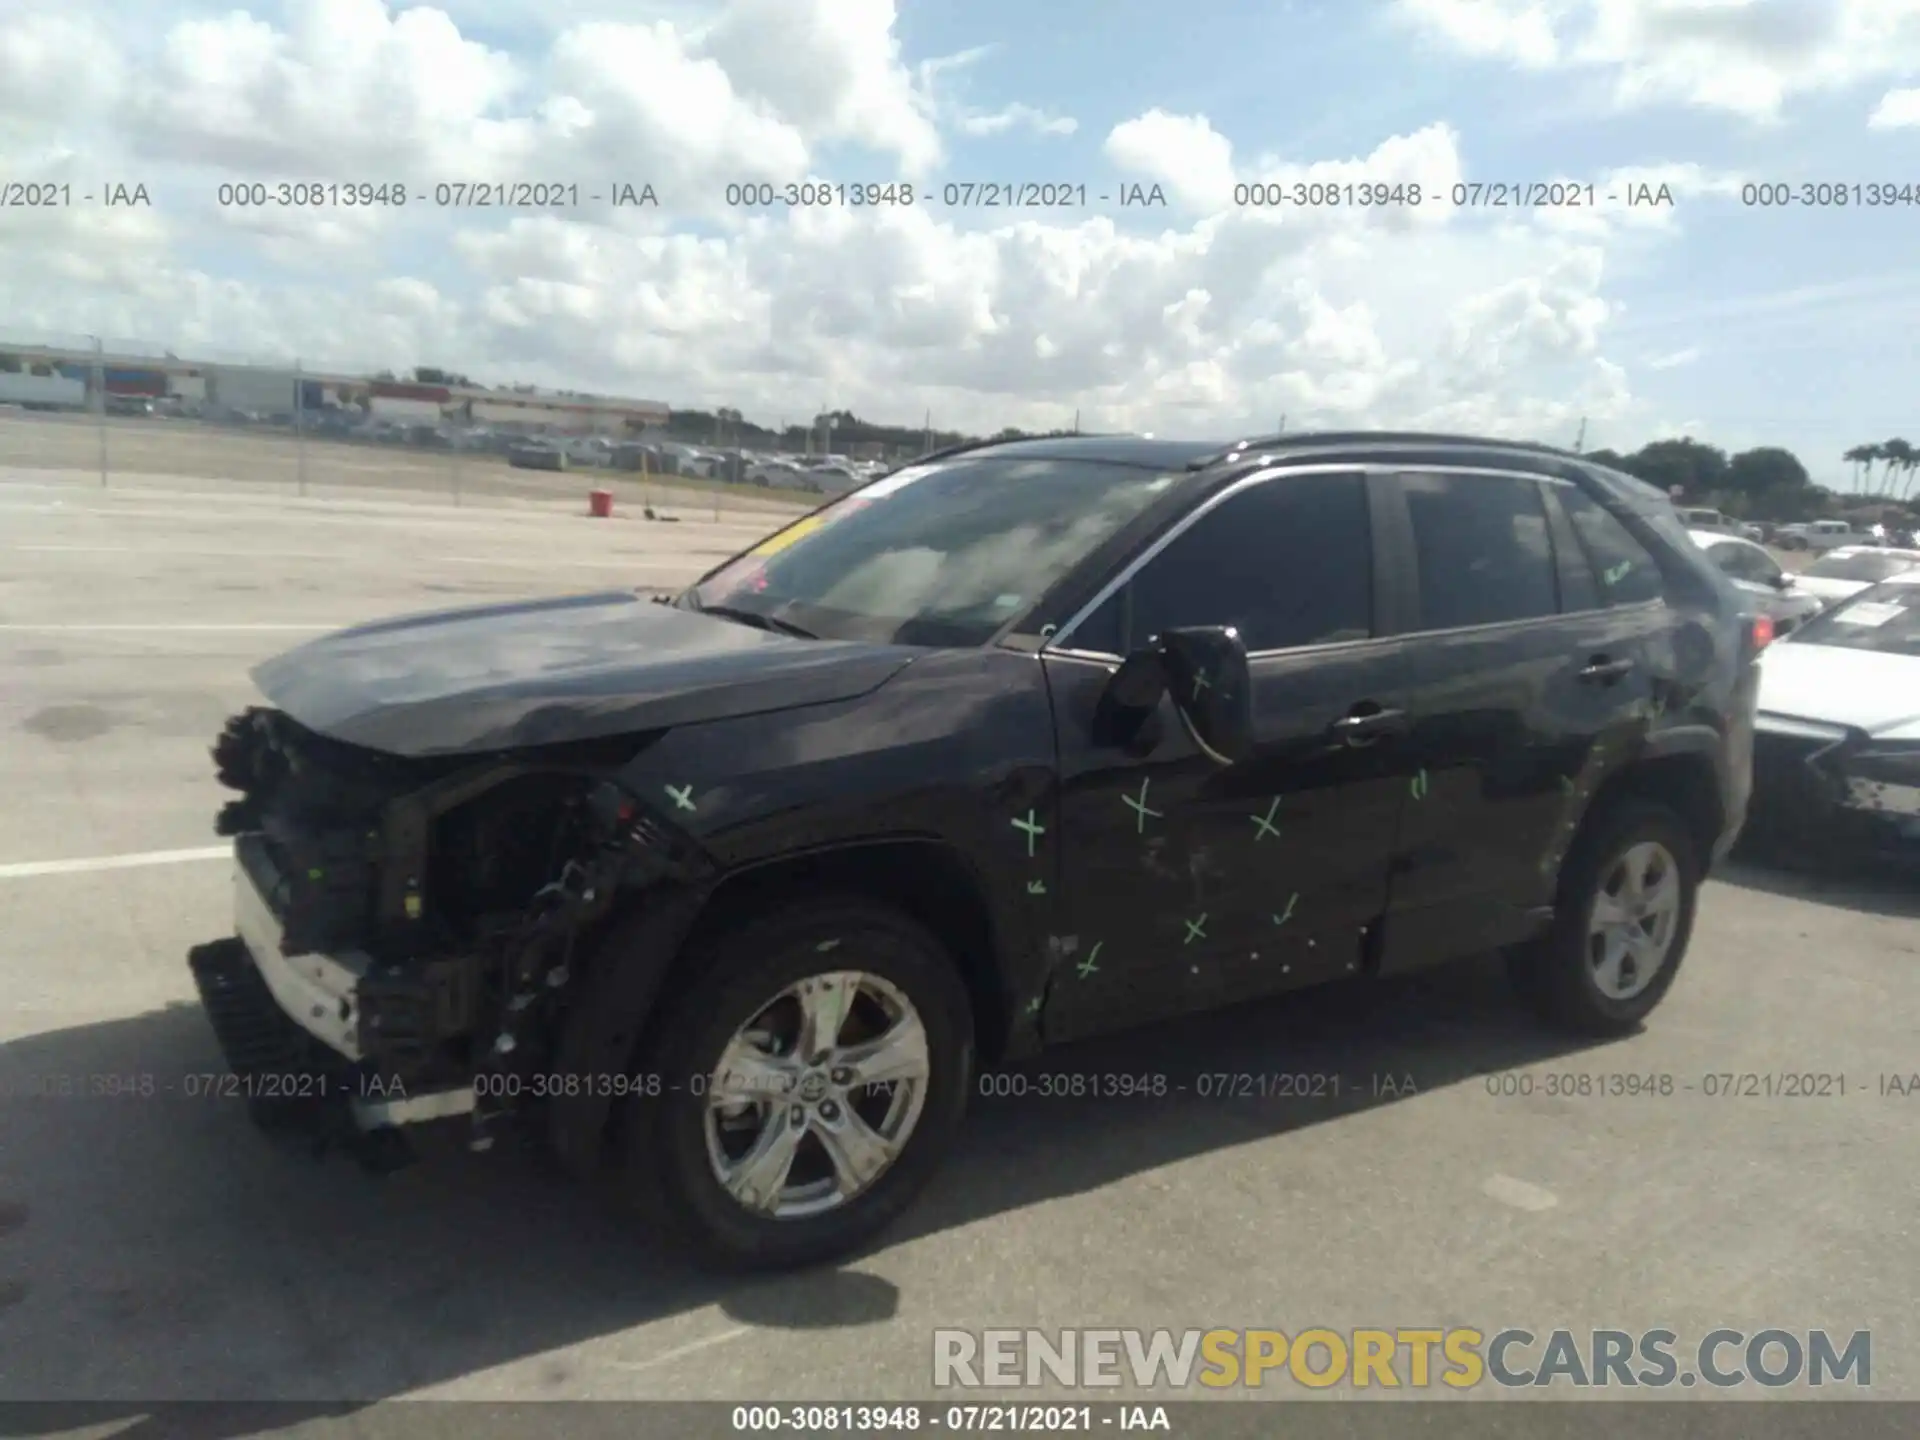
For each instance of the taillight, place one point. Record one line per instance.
(1762, 632)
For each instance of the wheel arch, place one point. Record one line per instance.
(926, 878)
(1676, 771)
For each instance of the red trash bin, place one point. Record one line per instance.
(600, 504)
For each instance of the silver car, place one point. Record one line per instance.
(1758, 574)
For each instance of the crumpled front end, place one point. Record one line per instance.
(1817, 787)
(411, 935)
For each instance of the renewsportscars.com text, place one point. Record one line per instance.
(1458, 1358)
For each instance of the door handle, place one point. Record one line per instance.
(1367, 722)
(1602, 671)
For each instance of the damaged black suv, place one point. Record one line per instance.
(727, 896)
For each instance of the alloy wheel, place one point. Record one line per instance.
(816, 1095)
(1633, 920)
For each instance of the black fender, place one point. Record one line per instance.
(607, 1017)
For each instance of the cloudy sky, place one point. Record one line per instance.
(1741, 323)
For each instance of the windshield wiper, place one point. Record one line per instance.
(758, 621)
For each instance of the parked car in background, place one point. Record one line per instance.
(727, 897)
(538, 454)
(1773, 591)
(1695, 517)
(1821, 535)
(1851, 569)
(1837, 739)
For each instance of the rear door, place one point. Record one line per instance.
(1188, 884)
(1532, 675)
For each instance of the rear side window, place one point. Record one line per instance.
(1484, 553)
(1744, 562)
(1287, 563)
(1622, 568)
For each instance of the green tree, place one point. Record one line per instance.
(1693, 468)
(1754, 472)
(1898, 457)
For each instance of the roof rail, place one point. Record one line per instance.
(1391, 437)
(960, 449)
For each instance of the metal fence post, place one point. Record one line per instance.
(100, 400)
(300, 424)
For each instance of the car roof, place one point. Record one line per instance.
(1721, 537)
(1203, 454)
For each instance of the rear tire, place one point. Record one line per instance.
(1565, 975)
(745, 981)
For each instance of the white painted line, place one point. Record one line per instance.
(1518, 1193)
(28, 868)
(680, 1352)
(172, 629)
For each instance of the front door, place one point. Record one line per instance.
(1188, 883)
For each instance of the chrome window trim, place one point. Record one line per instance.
(1263, 476)
(1180, 527)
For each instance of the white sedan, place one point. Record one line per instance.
(1851, 569)
(1836, 752)
(1774, 592)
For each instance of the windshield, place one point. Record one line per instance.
(1884, 619)
(939, 554)
(1871, 568)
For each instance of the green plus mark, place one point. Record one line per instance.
(1139, 807)
(1032, 828)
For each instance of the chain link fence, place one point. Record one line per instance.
(134, 412)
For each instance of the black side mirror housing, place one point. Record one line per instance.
(1212, 684)
(1204, 671)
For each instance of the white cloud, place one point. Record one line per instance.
(1897, 110)
(1213, 319)
(1182, 152)
(1490, 29)
(1743, 57)
(1020, 117)
(1676, 359)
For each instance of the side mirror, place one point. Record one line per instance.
(1209, 680)
(1783, 581)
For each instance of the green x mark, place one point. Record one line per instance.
(1265, 822)
(1200, 682)
(1140, 807)
(1087, 966)
(682, 796)
(1292, 900)
(1196, 930)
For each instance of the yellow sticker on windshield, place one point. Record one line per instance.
(799, 530)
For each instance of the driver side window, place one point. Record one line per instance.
(1287, 562)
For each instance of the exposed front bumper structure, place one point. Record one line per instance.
(1812, 788)
(309, 1038)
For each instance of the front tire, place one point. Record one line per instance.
(1622, 920)
(813, 1077)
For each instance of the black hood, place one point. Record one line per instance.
(548, 672)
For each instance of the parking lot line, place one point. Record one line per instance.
(27, 869)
